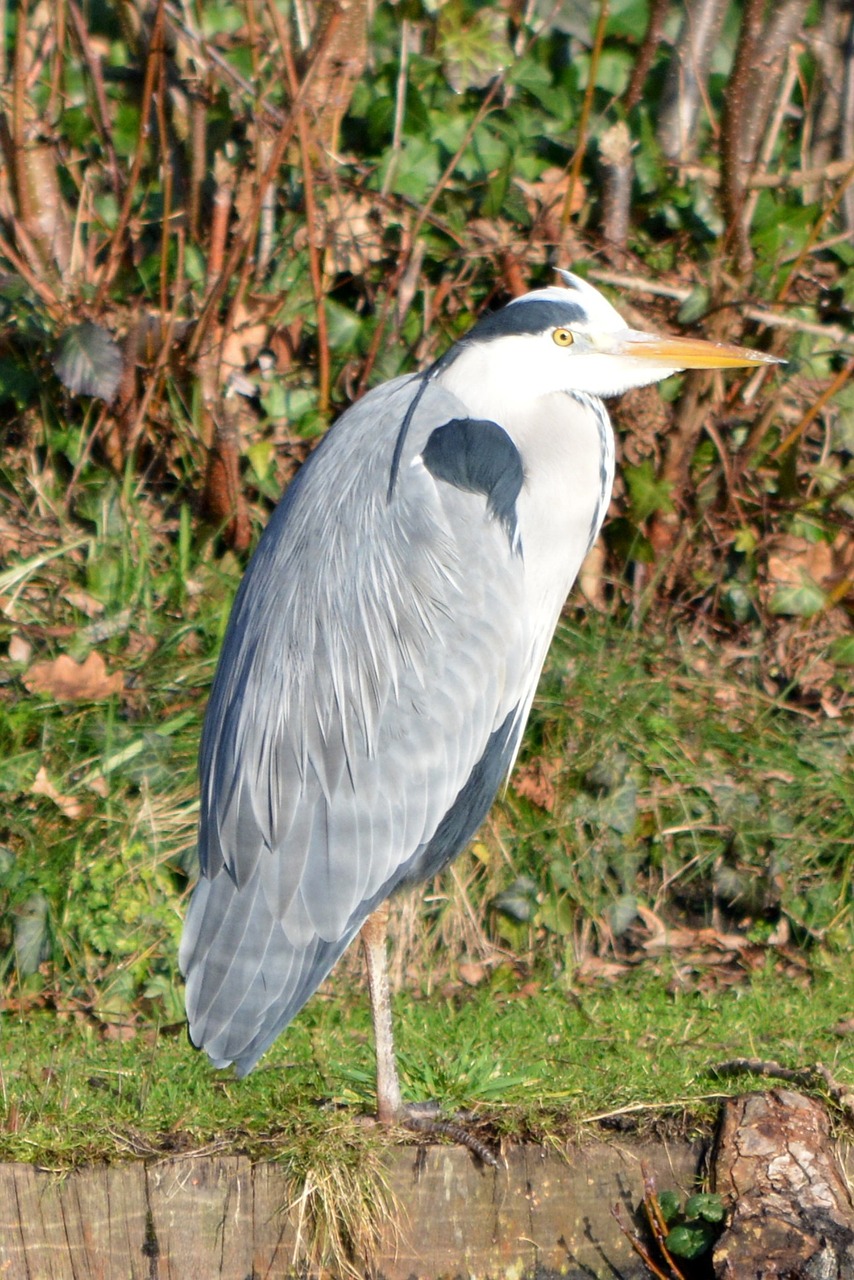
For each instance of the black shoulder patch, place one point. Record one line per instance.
(480, 457)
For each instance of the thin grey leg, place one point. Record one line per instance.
(373, 936)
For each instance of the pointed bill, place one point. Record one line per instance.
(690, 353)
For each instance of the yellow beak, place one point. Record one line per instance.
(690, 353)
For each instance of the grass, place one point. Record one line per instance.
(547, 1065)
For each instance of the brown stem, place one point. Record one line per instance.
(103, 122)
(117, 241)
(586, 108)
(314, 259)
(735, 128)
(652, 39)
(166, 170)
(58, 69)
(198, 161)
(243, 235)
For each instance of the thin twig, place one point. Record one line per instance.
(680, 293)
(814, 1076)
(315, 265)
(832, 389)
(399, 107)
(155, 377)
(117, 241)
(584, 118)
(772, 133)
(815, 231)
(421, 219)
(166, 172)
(211, 57)
(637, 1244)
(655, 1218)
(38, 286)
(103, 124)
(793, 179)
(243, 234)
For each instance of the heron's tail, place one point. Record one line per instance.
(245, 980)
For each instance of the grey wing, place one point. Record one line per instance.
(370, 698)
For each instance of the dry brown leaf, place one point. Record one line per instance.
(242, 342)
(591, 575)
(42, 786)
(471, 973)
(548, 193)
(84, 603)
(594, 969)
(70, 681)
(20, 650)
(534, 781)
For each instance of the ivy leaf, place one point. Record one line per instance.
(668, 1201)
(705, 1205)
(88, 361)
(473, 49)
(803, 601)
(690, 1239)
(695, 305)
(648, 494)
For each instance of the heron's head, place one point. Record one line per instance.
(570, 338)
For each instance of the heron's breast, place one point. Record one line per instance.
(567, 452)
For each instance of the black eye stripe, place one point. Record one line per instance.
(537, 316)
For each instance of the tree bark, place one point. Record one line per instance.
(792, 1216)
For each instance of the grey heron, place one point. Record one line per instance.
(384, 648)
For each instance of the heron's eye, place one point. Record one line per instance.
(563, 337)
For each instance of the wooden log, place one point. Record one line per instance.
(792, 1216)
(541, 1213)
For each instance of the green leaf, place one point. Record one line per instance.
(695, 305)
(17, 383)
(745, 540)
(842, 651)
(473, 49)
(344, 326)
(415, 168)
(803, 601)
(705, 1205)
(88, 361)
(690, 1239)
(670, 1204)
(621, 914)
(31, 934)
(619, 809)
(647, 493)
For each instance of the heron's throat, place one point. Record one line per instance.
(495, 380)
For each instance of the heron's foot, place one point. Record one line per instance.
(425, 1118)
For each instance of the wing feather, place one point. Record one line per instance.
(348, 713)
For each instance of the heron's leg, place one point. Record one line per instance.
(390, 1109)
(373, 936)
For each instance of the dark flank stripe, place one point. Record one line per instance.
(470, 807)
